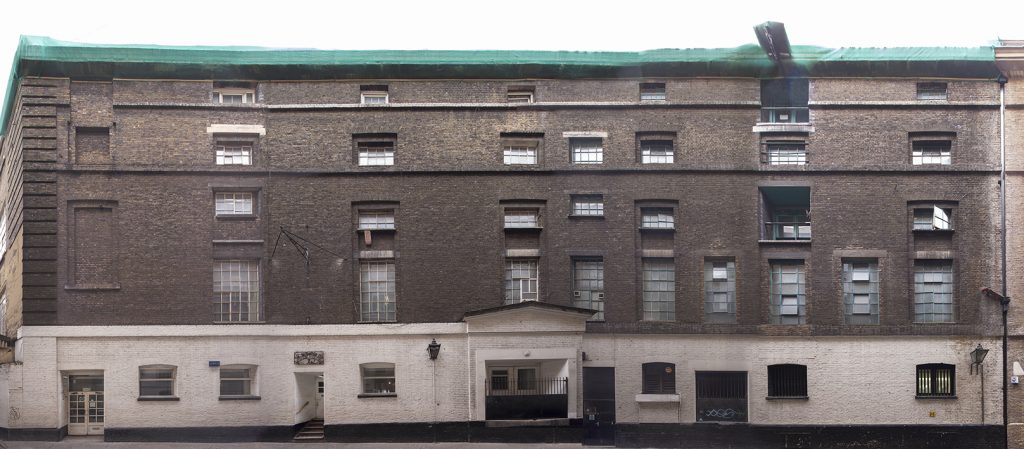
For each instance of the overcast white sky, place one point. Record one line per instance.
(521, 24)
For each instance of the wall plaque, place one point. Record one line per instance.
(309, 358)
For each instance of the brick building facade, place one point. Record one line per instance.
(226, 244)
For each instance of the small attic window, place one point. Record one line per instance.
(931, 91)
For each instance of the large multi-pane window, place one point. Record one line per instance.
(933, 291)
(520, 154)
(234, 96)
(933, 218)
(657, 218)
(659, 282)
(786, 153)
(521, 281)
(587, 150)
(652, 92)
(522, 218)
(931, 91)
(374, 153)
(234, 203)
(788, 299)
(860, 291)
(720, 291)
(936, 379)
(230, 153)
(932, 152)
(377, 290)
(588, 205)
(588, 285)
(376, 220)
(236, 290)
(656, 152)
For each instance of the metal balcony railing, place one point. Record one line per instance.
(787, 230)
(527, 387)
(785, 114)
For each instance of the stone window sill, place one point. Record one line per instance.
(239, 398)
(158, 398)
(657, 398)
(377, 395)
(935, 397)
(787, 398)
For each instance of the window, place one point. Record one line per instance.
(933, 291)
(933, 219)
(234, 153)
(787, 381)
(588, 285)
(656, 152)
(237, 381)
(659, 289)
(652, 92)
(860, 291)
(788, 299)
(936, 380)
(587, 150)
(521, 218)
(374, 94)
(588, 205)
(720, 291)
(236, 290)
(3, 314)
(234, 204)
(657, 218)
(520, 95)
(376, 220)
(786, 212)
(721, 396)
(659, 378)
(931, 91)
(376, 153)
(234, 96)
(785, 100)
(3, 233)
(378, 379)
(785, 153)
(932, 152)
(156, 381)
(520, 155)
(377, 291)
(521, 280)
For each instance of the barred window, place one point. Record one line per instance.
(660, 218)
(376, 153)
(521, 280)
(788, 299)
(234, 154)
(659, 289)
(371, 220)
(720, 291)
(234, 203)
(520, 155)
(377, 291)
(860, 292)
(587, 150)
(588, 205)
(932, 152)
(787, 380)
(588, 285)
(521, 218)
(236, 290)
(786, 153)
(933, 291)
(659, 378)
(936, 379)
(652, 92)
(657, 152)
(378, 378)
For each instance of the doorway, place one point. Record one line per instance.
(85, 404)
(309, 397)
(598, 406)
(319, 398)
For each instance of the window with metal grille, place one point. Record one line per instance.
(237, 380)
(788, 299)
(372, 220)
(588, 285)
(659, 289)
(652, 92)
(785, 153)
(234, 203)
(932, 152)
(378, 378)
(936, 379)
(860, 291)
(521, 280)
(657, 152)
(933, 291)
(156, 381)
(934, 218)
(721, 396)
(588, 205)
(236, 290)
(587, 150)
(931, 91)
(229, 153)
(376, 153)
(377, 291)
(522, 218)
(720, 291)
(787, 381)
(520, 155)
(659, 378)
(657, 218)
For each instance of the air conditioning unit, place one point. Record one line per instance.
(577, 294)
(600, 296)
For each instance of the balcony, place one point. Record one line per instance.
(524, 398)
(788, 230)
(786, 214)
(786, 114)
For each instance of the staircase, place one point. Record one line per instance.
(312, 431)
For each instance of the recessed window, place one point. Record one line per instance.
(787, 381)
(521, 218)
(377, 291)
(652, 92)
(378, 379)
(237, 381)
(588, 285)
(721, 396)
(788, 298)
(936, 380)
(786, 212)
(933, 291)
(236, 290)
(933, 218)
(785, 100)
(587, 150)
(234, 204)
(659, 284)
(234, 96)
(521, 280)
(588, 205)
(785, 153)
(373, 94)
(520, 155)
(376, 220)
(860, 291)
(520, 95)
(234, 153)
(932, 152)
(656, 151)
(659, 378)
(156, 381)
(720, 291)
(376, 153)
(931, 91)
(657, 218)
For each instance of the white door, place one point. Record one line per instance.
(85, 413)
(319, 398)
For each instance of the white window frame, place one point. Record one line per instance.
(519, 155)
(941, 219)
(654, 153)
(786, 153)
(249, 378)
(248, 95)
(227, 204)
(931, 152)
(363, 377)
(657, 218)
(522, 218)
(650, 92)
(159, 368)
(588, 205)
(587, 150)
(366, 95)
(374, 220)
(226, 153)
(659, 289)
(236, 283)
(518, 287)
(519, 96)
(371, 155)
(378, 296)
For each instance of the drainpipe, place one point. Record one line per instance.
(1002, 231)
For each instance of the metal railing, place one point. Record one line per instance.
(787, 230)
(527, 387)
(785, 114)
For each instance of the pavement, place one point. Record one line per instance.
(98, 443)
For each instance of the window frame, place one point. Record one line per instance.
(585, 202)
(532, 279)
(932, 90)
(939, 218)
(222, 146)
(253, 203)
(521, 212)
(249, 380)
(654, 291)
(933, 267)
(374, 91)
(528, 92)
(248, 95)
(370, 296)
(172, 379)
(783, 300)
(378, 225)
(582, 154)
(653, 92)
(715, 287)
(861, 280)
(219, 295)
(588, 278)
(657, 215)
(363, 367)
(926, 389)
(658, 378)
(787, 381)
(924, 142)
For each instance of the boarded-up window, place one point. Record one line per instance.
(92, 145)
(94, 246)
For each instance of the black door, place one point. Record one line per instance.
(599, 406)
